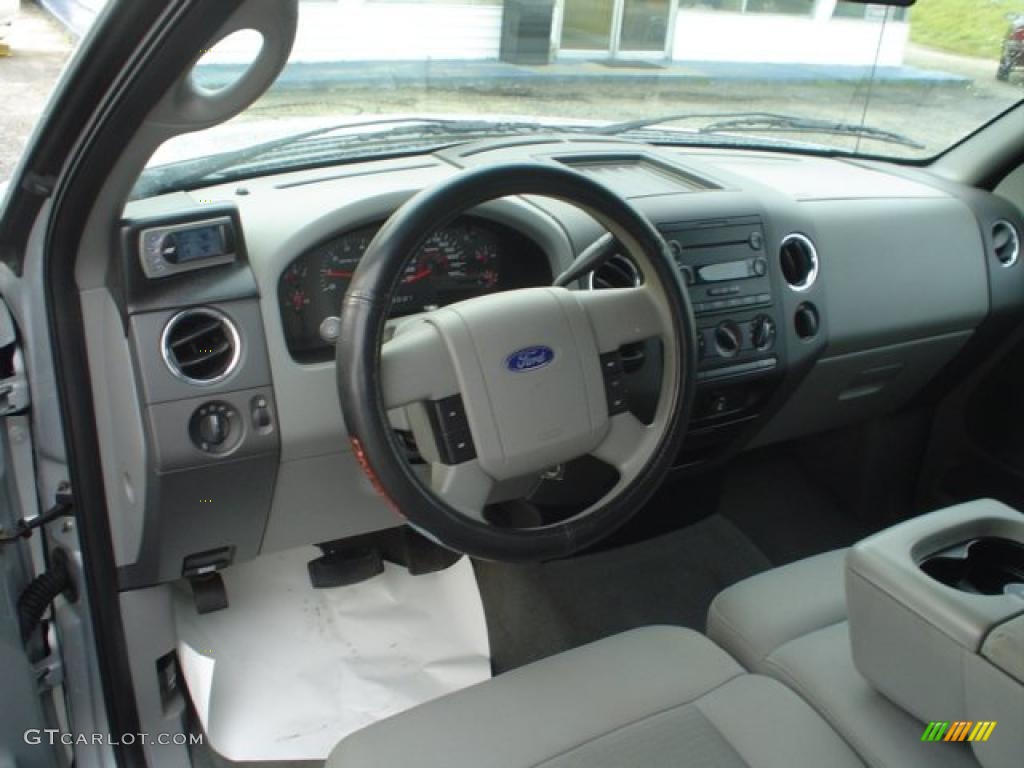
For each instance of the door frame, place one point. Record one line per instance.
(614, 50)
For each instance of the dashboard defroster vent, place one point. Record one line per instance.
(1005, 243)
(617, 272)
(798, 259)
(201, 346)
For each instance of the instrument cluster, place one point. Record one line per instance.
(471, 257)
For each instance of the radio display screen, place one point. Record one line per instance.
(729, 270)
(195, 244)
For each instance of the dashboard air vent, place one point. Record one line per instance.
(799, 261)
(1005, 243)
(617, 272)
(201, 346)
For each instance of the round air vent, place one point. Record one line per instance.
(799, 261)
(617, 272)
(201, 346)
(1005, 243)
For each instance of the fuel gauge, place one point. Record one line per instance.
(482, 266)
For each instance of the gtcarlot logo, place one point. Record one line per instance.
(53, 736)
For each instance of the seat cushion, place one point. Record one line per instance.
(755, 616)
(790, 623)
(656, 696)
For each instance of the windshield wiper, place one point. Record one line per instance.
(318, 143)
(724, 122)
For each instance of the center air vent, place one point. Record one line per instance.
(617, 272)
(201, 346)
(1005, 243)
(799, 261)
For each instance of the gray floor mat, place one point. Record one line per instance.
(536, 610)
(782, 511)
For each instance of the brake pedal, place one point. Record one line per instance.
(342, 567)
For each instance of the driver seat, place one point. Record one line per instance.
(653, 697)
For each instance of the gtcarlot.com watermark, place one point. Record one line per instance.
(54, 736)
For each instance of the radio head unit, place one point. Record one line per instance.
(726, 271)
(724, 265)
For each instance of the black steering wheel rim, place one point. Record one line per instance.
(364, 313)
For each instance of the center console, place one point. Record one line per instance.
(731, 281)
(936, 609)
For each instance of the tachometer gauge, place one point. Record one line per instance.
(293, 288)
(340, 264)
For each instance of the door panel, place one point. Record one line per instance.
(21, 710)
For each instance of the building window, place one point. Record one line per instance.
(846, 10)
(784, 7)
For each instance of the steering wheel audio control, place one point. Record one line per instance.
(215, 427)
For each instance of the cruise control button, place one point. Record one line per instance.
(617, 393)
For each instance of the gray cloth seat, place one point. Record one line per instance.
(653, 697)
(790, 623)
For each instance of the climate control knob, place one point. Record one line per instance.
(762, 333)
(728, 339)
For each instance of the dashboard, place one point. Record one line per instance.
(470, 257)
(825, 292)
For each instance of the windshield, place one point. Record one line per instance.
(371, 78)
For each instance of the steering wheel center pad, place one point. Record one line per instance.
(528, 368)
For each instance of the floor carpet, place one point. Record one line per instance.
(696, 537)
(536, 610)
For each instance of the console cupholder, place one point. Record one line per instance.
(984, 566)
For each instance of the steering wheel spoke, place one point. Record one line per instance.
(623, 443)
(466, 487)
(622, 316)
(412, 368)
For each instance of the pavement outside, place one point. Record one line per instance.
(935, 98)
(39, 49)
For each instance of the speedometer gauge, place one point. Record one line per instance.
(441, 257)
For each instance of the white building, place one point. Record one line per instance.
(830, 32)
(780, 31)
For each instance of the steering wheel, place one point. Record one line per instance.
(497, 389)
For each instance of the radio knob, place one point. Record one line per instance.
(760, 267)
(728, 339)
(763, 333)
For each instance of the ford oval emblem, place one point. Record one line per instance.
(529, 358)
